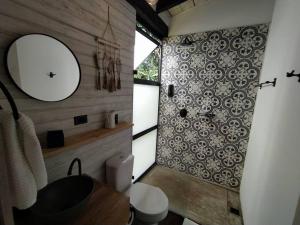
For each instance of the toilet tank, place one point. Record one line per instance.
(119, 171)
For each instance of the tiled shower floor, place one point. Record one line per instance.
(204, 203)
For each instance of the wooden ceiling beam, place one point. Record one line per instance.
(149, 18)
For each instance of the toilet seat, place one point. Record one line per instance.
(150, 203)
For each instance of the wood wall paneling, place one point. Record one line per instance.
(76, 23)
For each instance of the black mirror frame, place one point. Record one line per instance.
(10, 76)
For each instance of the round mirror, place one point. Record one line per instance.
(43, 67)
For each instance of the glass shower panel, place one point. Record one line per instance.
(145, 107)
(144, 150)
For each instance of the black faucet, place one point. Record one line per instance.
(72, 164)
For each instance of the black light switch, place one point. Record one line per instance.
(80, 119)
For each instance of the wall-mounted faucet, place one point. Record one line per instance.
(183, 113)
(71, 167)
(208, 115)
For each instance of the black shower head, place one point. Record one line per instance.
(187, 42)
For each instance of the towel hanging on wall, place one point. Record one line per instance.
(26, 167)
(23, 155)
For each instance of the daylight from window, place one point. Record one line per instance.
(146, 58)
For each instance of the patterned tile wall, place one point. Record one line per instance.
(218, 74)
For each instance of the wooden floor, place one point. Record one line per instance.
(199, 201)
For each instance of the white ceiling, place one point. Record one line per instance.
(185, 6)
(181, 7)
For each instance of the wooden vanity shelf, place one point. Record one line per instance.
(85, 138)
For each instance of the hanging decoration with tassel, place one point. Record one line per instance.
(98, 76)
(111, 60)
(118, 69)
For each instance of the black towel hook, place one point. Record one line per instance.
(292, 74)
(268, 83)
(11, 101)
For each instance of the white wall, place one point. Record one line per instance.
(271, 181)
(297, 214)
(219, 14)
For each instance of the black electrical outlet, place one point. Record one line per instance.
(80, 119)
(116, 119)
(235, 211)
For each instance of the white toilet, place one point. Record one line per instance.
(150, 203)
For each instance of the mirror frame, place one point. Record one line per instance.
(11, 78)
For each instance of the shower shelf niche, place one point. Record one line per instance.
(79, 140)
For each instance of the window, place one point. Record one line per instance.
(149, 68)
(147, 55)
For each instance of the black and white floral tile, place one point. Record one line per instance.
(218, 74)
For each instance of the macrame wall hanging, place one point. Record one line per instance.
(109, 62)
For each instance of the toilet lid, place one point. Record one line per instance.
(148, 199)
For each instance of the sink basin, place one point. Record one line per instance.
(60, 201)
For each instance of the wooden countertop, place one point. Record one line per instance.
(105, 207)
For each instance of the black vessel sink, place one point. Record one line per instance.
(64, 199)
(60, 202)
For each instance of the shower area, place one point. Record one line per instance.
(204, 127)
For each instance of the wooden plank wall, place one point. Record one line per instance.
(76, 23)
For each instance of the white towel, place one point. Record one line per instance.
(25, 162)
